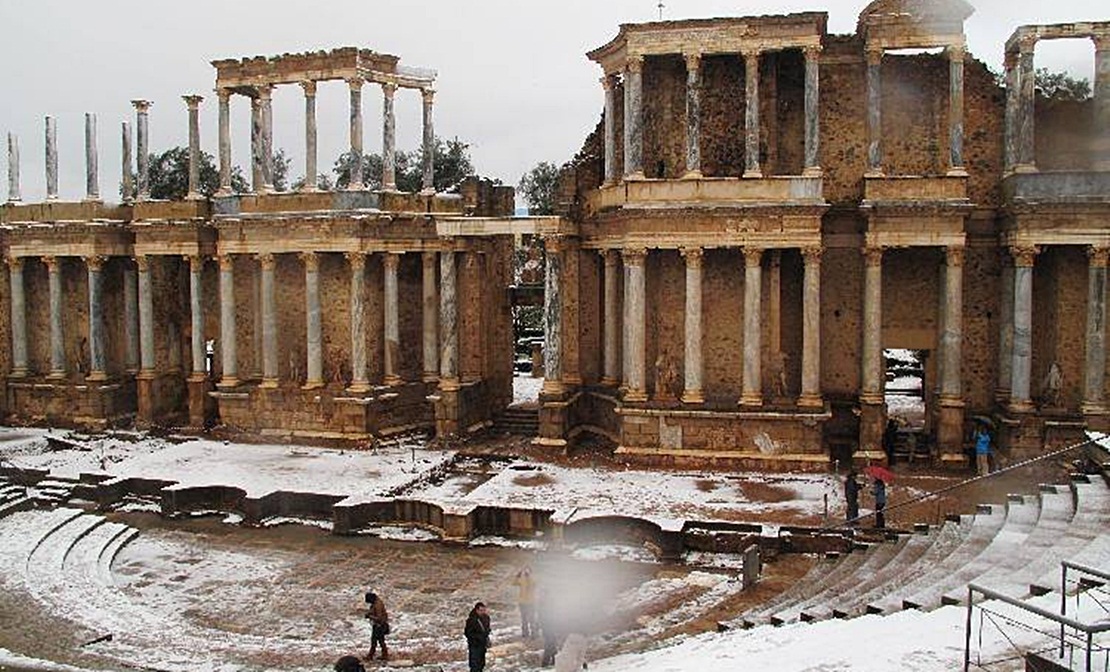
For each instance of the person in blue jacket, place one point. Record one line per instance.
(983, 451)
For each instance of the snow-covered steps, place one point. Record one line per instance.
(54, 490)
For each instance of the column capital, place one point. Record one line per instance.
(954, 255)
(752, 255)
(873, 55)
(52, 263)
(1102, 42)
(635, 63)
(693, 61)
(554, 244)
(192, 101)
(873, 255)
(1027, 44)
(427, 95)
(266, 261)
(355, 83)
(429, 256)
(357, 260)
(692, 255)
(226, 261)
(811, 51)
(309, 87)
(15, 263)
(608, 82)
(610, 257)
(223, 94)
(750, 54)
(389, 88)
(1097, 254)
(956, 52)
(265, 91)
(1024, 255)
(142, 106)
(392, 260)
(1010, 60)
(196, 262)
(311, 261)
(811, 254)
(634, 256)
(95, 262)
(142, 262)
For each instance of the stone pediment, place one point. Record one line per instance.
(913, 23)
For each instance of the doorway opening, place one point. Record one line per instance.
(906, 436)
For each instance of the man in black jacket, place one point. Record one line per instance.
(477, 637)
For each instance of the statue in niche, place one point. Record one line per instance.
(1050, 388)
(666, 378)
(337, 367)
(778, 374)
(295, 366)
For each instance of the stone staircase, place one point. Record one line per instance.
(13, 497)
(519, 421)
(55, 491)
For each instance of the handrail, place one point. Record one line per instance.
(1065, 565)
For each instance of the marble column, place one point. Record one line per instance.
(228, 354)
(1102, 102)
(51, 160)
(224, 97)
(1021, 369)
(142, 146)
(392, 320)
(752, 394)
(267, 264)
(429, 182)
(1094, 374)
(1026, 152)
(448, 321)
(1013, 111)
(19, 317)
(951, 384)
(751, 114)
(609, 84)
(811, 328)
(13, 169)
(956, 111)
(193, 105)
(874, 112)
(57, 331)
(389, 130)
(257, 180)
(360, 381)
(430, 317)
(131, 326)
(265, 95)
(1005, 331)
(146, 317)
(633, 119)
(311, 173)
(314, 334)
(872, 355)
(635, 326)
(127, 175)
(92, 164)
(612, 374)
(553, 316)
(692, 391)
(693, 116)
(812, 111)
(196, 314)
(355, 118)
(97, 362)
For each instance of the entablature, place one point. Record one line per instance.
(709, 192)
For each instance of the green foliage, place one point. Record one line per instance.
(1061, 85)
(169, 176)
(540, 188)
(452, 165)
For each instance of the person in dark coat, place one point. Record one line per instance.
(477, 637)
(851, 496)
(349, 664)
(380, 619)
(880, 503)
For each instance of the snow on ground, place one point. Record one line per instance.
(526, 389)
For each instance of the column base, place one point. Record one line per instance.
(223, 192)
(312, 385)
(449, 384)
(197, 377)
(751, 399)
(572, 380)
(392, 380)
(874, 172)
(1019, 406)
(268, 384)
(813, 171)
(635, 176)
(635, 396)
(811, 400)
(428, 192)
(145, 374)
(18, 373)
(693, 175)
(753, 174)
(196, 196)
(96, 377)
(1025, 168)
(552, 388)
(430, 377)
(1094, 408)
(359, 387)
(957, 171)
(228, 382)
(391, 188)
(352, 186)
(56, 375)
(609, 381)
(693, 397)
(308, 188)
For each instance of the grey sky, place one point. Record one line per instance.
(513, 78)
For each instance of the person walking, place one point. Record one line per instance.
(983, 451)
(851, 496)
(879, 490)
(379, 619)
(526, 600)
(477, 637)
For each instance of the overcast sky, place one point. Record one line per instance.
(513, 78)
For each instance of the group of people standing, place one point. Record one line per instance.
(852, 489)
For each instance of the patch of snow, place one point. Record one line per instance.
(398, 533)
(503, 542)
(622, 552)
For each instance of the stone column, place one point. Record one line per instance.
(951, 385)
(751, 114)
(142, 146)
(1006, 331)
(57, 332)
(612, 373)
(1026, 152)
(314, 336)
(693, 116)
(228, 354)
(609, 84)
(97, 364)
(1013, 113)
(874, 112)
(692, 392)
(19, 317)
(196, 314)
(634, 326)
(257, 180)
(193, 105)
(812, 111)
(13, 169)
(429, 183)
(448, 321)
(1021, 369)
(811, 329)
(267, 263)
(355, 117)
(872, 355)
(266, 146)
(146, 317)
(392, 320)
(553, 316)
(430, 315)
(131, 325)
(1102, 102)
(224, 96)
(360, 381)
(752, 394)
(389, 129)
(92, 167)
(956, 111)
(1094, 374)
(633, 119)
(127, 176)
(311, 173)
(51, 160)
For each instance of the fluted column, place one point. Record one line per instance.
(612, 373)
(430, 317)
(693, 116)
(389, 129)
(127, 175)
(224, 97)
(97, 364)
(19, 317)
(1013, 111)
(1102, 103)
(751, 114)
(132, 345)
(57, 332)
(872, 355)
(1021, 369)
(142, 146)
(355, 117)
(1005, 331)
(553, 316)
(951, 385)
(1094, 374)
(13, 169)
(609, 84)
(265, 95)
(314, 332)
(267, 264)
(258, 182)
(448, 321)
(812, 111)
(874, 112)
(92, 164)
(429, 181)
(229, 355)
(360, 380)
(811, 328)
(956, 111)
(752, 394)
(633, 118)
(51, 160)
(692, 390)
(634, 325)
(196, 315)
(310, 171)
(392, 320)
(146, 317)
(192, 103)
(1027, 94)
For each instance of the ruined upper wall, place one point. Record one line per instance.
(347, 63)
